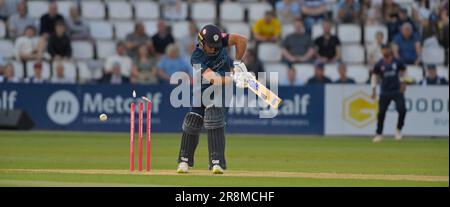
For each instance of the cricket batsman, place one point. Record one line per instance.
(211, 59)
(393, 85)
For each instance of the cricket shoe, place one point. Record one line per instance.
(216, 169)
(377, 139)
(183, 167)
(398, 135)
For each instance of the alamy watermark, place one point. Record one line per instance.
(202, 92)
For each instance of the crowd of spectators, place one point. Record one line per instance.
(151, 58)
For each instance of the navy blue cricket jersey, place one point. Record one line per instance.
(220, 63)
(390, 75)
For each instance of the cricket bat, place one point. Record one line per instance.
(265, 94)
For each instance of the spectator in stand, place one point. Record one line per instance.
(402, 18)
(432, 77)
(343, 78)
(115, 77)
(172, 10)
(77, 27)
(267, 29)
(29, 46)
(37, 77)
(171, 63)
(421, 11)
(297, 47)
(374, 50)
(187, 44)
(144, 64)
(254, 65)
(390, 11)
(319, 75)
(162, 38)
(60, 76)
(348, 11)
(371, 13)
(8, 75)
(126, 64)
(59, 46)
(137, 38)
(328, 45)
(19, 21)
(313, 11)
(49, 20)
(407, 45)
(7, 8)
(287, 10)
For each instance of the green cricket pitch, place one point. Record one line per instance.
(43, 158)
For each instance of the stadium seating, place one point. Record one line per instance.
(433, 55)
(280, 69)
(112, 20)
(360, 73)
(181, 15)
(82, 49)
(180, 29)
(317, 31)
(203, 11)
(18, 69)
(150, 27)
(101, 30)
(238, 28)
(46, 71)
(331, 71)
(6, 48)
(353, 54)
(70, 70)
(37, 8)
(286, 30)
(269, 52)
(105, 48)
(122, 29)
(304, 72)
(371, 30)
(88, 72)
(442, 71)
(119, 10)
(64, 7)
(2, 29)
(415, 72)
(257, 11)
(93, 9)
(146, 10)
(349, 33)
(231, 11)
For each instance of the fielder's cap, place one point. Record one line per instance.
(211, 35)
(431, 67)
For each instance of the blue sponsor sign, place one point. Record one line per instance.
(301, 112)
(77, 107)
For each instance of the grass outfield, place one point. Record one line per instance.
(38, 158)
